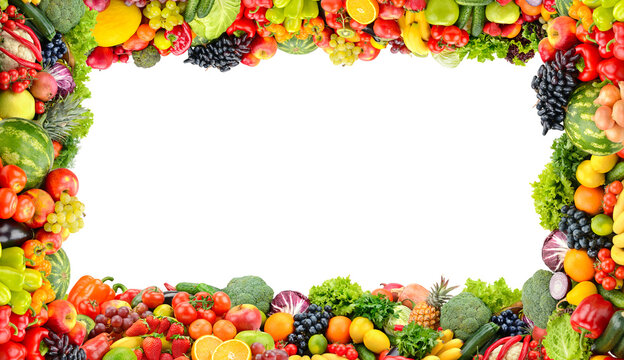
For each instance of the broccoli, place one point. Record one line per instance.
(250, 290)
(464, 314)
(537, 303)
(63, 14)
(146, 58)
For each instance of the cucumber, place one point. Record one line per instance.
(478, 21)
(364, 353)
(618, 350)
(478, 340)
(194, 288)
(617, 173)
(37, 17)
(465, 11)
(191, 10)
(474, 2)
(611, 336)
(204, 8)
(616, 297)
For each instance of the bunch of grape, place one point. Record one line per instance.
(166, 17)
(314, 321)
(59, 348)
(259, 353)
(343, 52)
(576, 224)
(53, 50)
(68, 214)
(510, 324)
(114, 320)
(138, 3)
(397, 46)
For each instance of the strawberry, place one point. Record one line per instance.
(175, 329)
(180, 345)
(138, 353)
(139, 328)
(152, 347)
(166, 356)
(163, 326)
(153, 323)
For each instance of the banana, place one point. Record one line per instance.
(619, 207)
(410, 17)
(128, 342)
(425, 29)
(618, 225)
(402, 25)
(327, 356)
(414, 41)
(618, 241)
(451, 354)
(617, 254)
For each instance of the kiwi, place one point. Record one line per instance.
(87, 321)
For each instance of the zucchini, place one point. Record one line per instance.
(474, 2)
(478, 21)
(194, 288)
(616, 297)
(191, 10)
(465, 12)
(37, 17)
(204, 8)
(611, 336)
(478, 340)
(618, 350)
(364, 353)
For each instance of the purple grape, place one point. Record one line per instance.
(116, 321)
(123, 311)
(134, 316)
(141, 308)
(110, 311)
(127, 322)
(101, 319)
(257, 348)
(99, 328)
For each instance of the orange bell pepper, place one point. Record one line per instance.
(89, 288)
(528, 9)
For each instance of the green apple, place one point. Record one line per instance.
(17, 105)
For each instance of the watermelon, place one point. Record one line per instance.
(579, 125)
(26, 144)
(563, 6)
(59, 275)
(298, 47)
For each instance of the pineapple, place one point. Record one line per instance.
(427, 313)
(62, 116)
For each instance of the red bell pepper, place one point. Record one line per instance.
(604, 39)
(257, 14)
(588, 63)
(611, 69)
(584, 36)
(126, 294)
(252, 4)
(7, 329)
(591, 316)
(32, 342)
(12, 351)
(21, 322)
(181, 38)
(97, 347)
(618, 46)
(40, 319)
(243, 25)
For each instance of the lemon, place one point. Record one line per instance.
(603, 164)
(376, 341)
(360, 326)
(587, 176)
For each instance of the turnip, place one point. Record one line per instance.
(44, 87)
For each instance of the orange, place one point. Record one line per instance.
(588, 199)
(363, 11)
(279, 325)
(199, 328)
(578, 265)
(338, 330)
(232, 350)
(204, 346)
(224, 330)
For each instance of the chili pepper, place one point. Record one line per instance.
(31, 46)
(32, 342)
(96, 347)
(592, 314)
(13, 257)
(507, 346)
(243, 25)
(525, 347)
(496, 344)
(31, 33)
(21, 323)
(611, 69)
(603, 39)
(12, 351)
(181, 38)
(34, 251)
(13, 279)
(588, 63)
(32, 280)
(90, 288)
(20, 301)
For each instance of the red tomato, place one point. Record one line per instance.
(291, 349)
(221, 303)
(185, 313)
(609, 283)
(8, 203)
(609, 199)
(203, 295)
(90, 308)
(180, 297)
(619, 273)
(608, 265)
(615, 187)
(382, 293)
(153, 298)
(25, 209)
(332, 6)
(12, 176)
(207, 315)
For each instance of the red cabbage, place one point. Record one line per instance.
(64, 79)
(288, 301)
(554, 250)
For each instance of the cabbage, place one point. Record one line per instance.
(63, 77)
(289, 301)
(554, 250)
(401, 317)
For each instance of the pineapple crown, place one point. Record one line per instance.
(62, 116)
(439, 293)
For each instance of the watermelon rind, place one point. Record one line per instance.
(563, 7)
(26, 144)
(60, 273)
(295, 46)
(580, 127)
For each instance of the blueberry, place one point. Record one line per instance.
(319, 327)
(325, 315)
(513, 328)
(504, 328)
(300, 329)
(296, 323)
(300, 337)
(565, 208)
(323, 322)
(298, 317)
(583, 243)
(508, 322)
(313, 319)
(328, 308)
(312, 330)
(303, 345)
(493, 319)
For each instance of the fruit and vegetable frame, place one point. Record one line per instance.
(572, 309)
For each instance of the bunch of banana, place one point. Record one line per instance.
(415, 32)
(617, 251)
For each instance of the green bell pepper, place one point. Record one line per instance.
(20, 301)
(618, 11)
(609, 3)
(293, 9)
(276, 15)
(442, 12)
(310, 9)
(592, 4)
(507, 14)
(32, 280)
(13, 257)
(603, 18)
(280, 4)
(5, 294)
(292, 25)
(12, 278)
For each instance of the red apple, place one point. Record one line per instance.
(59, 181)
(44, 206)
(61, 316)
(546, 50)
(263, 47)
(78, 334)
(369, 52)
(244, 317)
(114, 303)
(250, 60)
(51, 241)
(562, 33)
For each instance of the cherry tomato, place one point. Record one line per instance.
(153, 298)
(25, 209)
(291, 349)
(600, 276)
(207, 315)
(533, 344)
(351, 354)
(8, 203)
(332, 6)
(12, 176)
(221, 303)
(22, 71)
(180, 297)
(615, 187)
(203, 295)
(604, 254)
(609, 283)
(13, 74)
(609, 199)
(608, 265)
(32, 72)
(185, 313)
(4, 77)
(341, 349)
(90, 308)
(331, 348)
(619, 273)
(533, 355)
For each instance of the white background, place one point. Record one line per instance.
(395, 170)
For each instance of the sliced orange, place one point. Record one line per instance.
(204, 347)
(363, 11)
(232, 350)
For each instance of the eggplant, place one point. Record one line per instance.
(169, 296)
(13, 233)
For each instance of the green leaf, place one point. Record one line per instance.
(562, 342)
(496, 296)
(221, 16)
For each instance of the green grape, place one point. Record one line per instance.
(341, 47)
(77, 212)
(80, 223)
(71, 218)
(165, 13)
(47, 227)
(69, 209)
(171, 5)
(61, 218)
(340, 55)
(65, 198)
(155, 3)
(333, 43)
(333, 37)
(155, 23)
(350, 45)
(56, 228)
(357, 51)
(341, 40)
(51, 218)
(58, 207)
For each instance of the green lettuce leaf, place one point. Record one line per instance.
(562, 342)
(221, 16)
(550, 193)
(496, 295)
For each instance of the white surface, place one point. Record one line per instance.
(396, 170)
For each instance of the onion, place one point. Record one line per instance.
(618, 112)
(603, 118)
(609, 94)
(534, 2)
(559, 285)
(554, 250)
(615, 134)
(64, 79)
(394, 288)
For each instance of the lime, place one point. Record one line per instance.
(602, 225)
(120, 353)
(317, 344)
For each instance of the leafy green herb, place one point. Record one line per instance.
(550, 193)
(339, 293)
(376, 308)
(221, 16)
(496, 295)
(566, 157)
(562, 342)
(416, 341)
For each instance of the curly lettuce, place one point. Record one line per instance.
(550, 193)
(496, 295)
(562, 342)
(339, 293)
